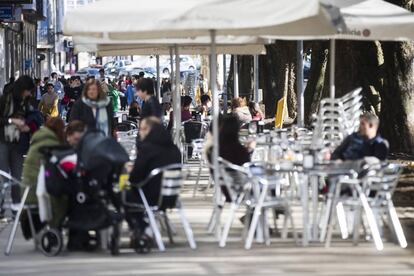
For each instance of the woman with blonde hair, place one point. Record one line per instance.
(241, 110)
(94, 108)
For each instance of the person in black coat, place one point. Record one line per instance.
(94, 108)
(151, 106)
(16, 129)
(155, 150)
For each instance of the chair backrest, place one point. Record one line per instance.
(125, 126)
(382, 183)
(193, 130)
(172, 180)
(234, 179)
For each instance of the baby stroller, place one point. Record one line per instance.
(85, 178)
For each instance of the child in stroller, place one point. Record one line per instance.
(85, 178)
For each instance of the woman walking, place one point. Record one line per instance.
(94, 109)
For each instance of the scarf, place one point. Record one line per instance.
(101, 116)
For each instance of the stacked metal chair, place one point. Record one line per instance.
(336, 119)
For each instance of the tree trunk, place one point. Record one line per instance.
(314, 90)
(278, 76)
(397, 104)
(385, 71)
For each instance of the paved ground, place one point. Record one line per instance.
(281, 258)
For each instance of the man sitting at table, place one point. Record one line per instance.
(364, 143)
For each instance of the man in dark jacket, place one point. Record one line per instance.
(156, 150)
(151, 106)
(366, 142)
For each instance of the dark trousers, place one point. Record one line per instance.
(11, 161)
(124, 103)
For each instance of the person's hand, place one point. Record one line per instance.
(251, 145)
(18, 122)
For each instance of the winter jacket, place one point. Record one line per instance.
(356, 147)
(151, 107)
(114, 95)
(243, 113)
(130, 94)
(82, 112)
(11, 107)
(155, 151)
(43, 137)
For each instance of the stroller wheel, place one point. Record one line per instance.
(142, 243)
(114, 241)
(51, 242)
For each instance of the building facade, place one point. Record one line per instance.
(18, 38)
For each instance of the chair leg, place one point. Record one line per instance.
(266, 233)
(233, 208)
(285, 225)
(336, 192)
(371, 220)
(340, 212)
(152, 221)
(395, 222)
(331, 227)
(187, 228)
(295, 234)
(211, 223)
(198, 179)
(357, 224)
(328, 212)
(168, 228)
(255, 219)
(16, 222)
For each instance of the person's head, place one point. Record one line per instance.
(37, 81)
(141, 75)
(74, 132)
(205, 100)
(56, 125)
(45, 80)
(90, 78)
(186, 102)
(229, 129)
(50, 88)
(145, 88)
(368, 125)
(147, 125)
(54, 75)
(93, 91)
(23, 87)
(134, 105)
(235, 103)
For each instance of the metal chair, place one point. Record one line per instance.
(235, 186)
(172, 180)
(267, 194)
(372, 194)
(7, 180)
(379, 190)
(191, 130)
